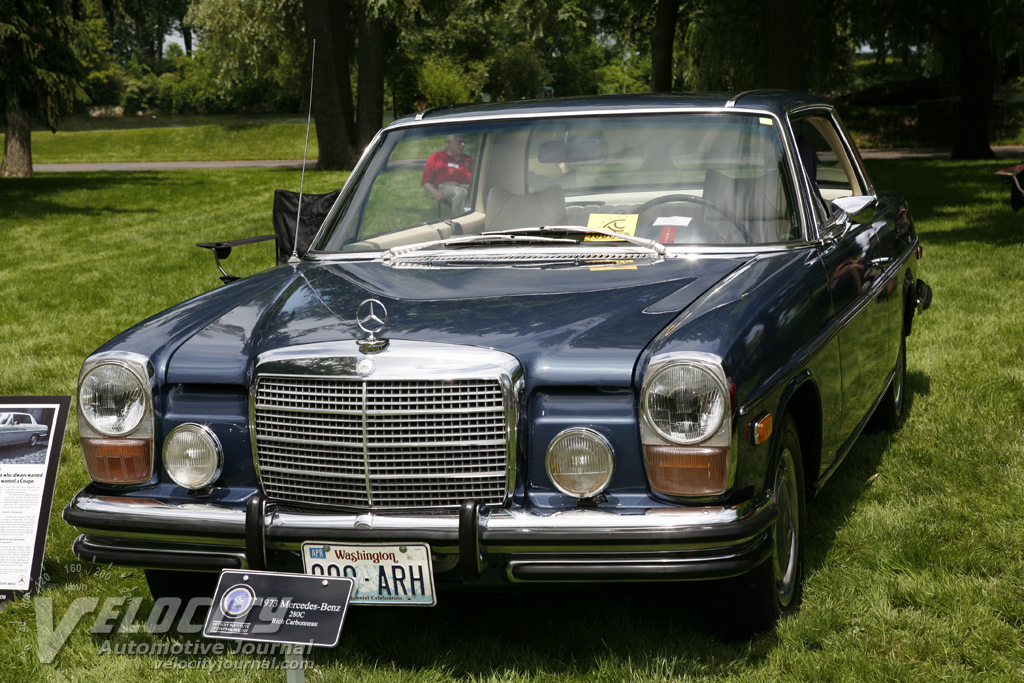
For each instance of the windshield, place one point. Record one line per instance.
(672, 178)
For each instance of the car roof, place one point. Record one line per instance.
(770, 101)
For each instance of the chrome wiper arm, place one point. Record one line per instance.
(657, 247)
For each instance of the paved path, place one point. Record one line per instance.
(169, 165)
(1002, 152)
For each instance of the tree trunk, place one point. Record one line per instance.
(783, 45)
(977, 87)
(370, 98)
(17, 162)
(662, 39)
(327, 23)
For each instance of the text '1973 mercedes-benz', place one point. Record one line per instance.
(588, 340)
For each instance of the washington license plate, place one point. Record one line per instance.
(398, 574)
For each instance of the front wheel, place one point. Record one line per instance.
(757, 600)
(889, 413)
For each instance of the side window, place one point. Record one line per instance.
(397, 199)
(824, 158)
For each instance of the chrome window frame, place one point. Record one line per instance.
(809, 231)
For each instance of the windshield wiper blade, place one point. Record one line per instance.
(503, 238)
(525, 236)
(583, 230)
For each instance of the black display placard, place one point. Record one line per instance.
(277, 607)
(31, 436)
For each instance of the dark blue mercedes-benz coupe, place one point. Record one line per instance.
(587, 340)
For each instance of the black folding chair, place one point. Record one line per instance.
(315, 208)
(1013, 176)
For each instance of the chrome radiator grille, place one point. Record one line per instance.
(382, 443)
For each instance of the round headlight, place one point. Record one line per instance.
(684, 403)
(113, 399)
(192, 456)
(580, 462)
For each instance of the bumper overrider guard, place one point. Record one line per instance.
(585, 544)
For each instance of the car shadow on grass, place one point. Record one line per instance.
(620, 631)
(838, 499)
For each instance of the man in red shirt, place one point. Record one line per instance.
(447, 173)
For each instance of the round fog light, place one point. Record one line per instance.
(193, 456)
(580, 462)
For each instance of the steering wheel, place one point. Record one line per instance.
(706, 203)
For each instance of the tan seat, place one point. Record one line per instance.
(758, 202)
(507, 211)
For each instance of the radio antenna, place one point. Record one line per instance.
(309, 117)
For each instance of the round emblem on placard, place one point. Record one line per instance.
(366, 366)
(237, 601)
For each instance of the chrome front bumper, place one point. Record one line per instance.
(584, 544)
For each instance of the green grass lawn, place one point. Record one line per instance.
(206, 139)
(915, 547)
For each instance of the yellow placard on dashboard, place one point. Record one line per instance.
(615, 265)
(622, 223)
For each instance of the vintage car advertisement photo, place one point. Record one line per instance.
(31, 435)
(585, 341)
(24, 433)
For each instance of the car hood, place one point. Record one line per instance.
(578, 325)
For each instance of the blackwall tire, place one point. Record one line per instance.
(890, 412)
(755, 602)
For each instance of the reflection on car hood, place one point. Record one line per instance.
(582, 325)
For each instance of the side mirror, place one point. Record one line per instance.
(848, 210)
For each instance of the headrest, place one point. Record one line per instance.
(751, 199)
(505, 211)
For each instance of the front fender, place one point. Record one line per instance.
(772, 323)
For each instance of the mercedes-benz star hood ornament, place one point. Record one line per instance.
(372, 316)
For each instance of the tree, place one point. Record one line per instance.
(258, 44)
(327, 22)
(782, 45)
(966, 42)
(662, 39)
(39, 74)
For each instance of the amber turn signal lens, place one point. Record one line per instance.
(687, 470)
(118, 461)
(758, 431)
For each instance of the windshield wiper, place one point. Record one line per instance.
(503, 238)
(524, 236)
(583, 230)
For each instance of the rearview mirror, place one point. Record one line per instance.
(572, 151)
